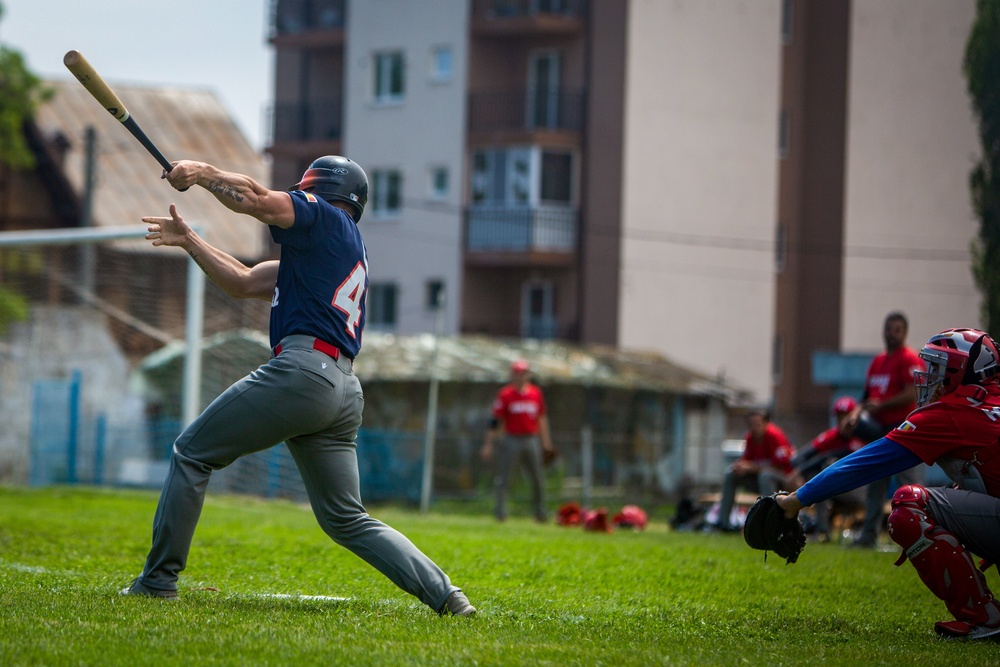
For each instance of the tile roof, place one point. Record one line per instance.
(184, 124)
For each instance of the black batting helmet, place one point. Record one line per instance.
(336, 178)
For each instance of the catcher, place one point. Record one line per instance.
(956, 425)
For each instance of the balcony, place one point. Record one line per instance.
(500, 18)
(307, 121)
(301, 22)
(526, 111)
(499, 229)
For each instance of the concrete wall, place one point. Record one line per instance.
(911, 145)
(697, 268)
(424, 131)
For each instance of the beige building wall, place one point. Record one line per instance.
(700, 182)
(424, 131)
(911, 145)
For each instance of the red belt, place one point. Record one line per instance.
(322, 346)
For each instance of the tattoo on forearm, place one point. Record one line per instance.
(224, 189)
(197, 260)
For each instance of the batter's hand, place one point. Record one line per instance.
(183, 175)
(167, 231)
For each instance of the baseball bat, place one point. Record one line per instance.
(96, 86)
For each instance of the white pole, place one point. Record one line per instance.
(427, 484)
(587, 465)
(193, 328)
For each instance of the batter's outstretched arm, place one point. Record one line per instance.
(237, 192)
(233, 276)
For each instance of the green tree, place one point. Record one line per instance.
(982, 72)
(20, 94)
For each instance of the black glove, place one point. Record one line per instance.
(767, 528)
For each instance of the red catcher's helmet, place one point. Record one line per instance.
(843, 405)
(955, 357)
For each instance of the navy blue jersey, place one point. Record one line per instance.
(322, 276)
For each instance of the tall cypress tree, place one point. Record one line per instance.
(982, 72)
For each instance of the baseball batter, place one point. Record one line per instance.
(307, 394)
(957, 425)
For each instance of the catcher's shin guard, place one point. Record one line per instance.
(942, 562)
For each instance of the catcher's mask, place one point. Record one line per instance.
(955, 357)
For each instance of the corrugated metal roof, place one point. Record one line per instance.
(184, 124)
(485, 359)
(391, 358)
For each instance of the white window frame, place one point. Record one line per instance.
(377, 204)
(434, 192)
(439, 74)
(519, 191)
(383, 62)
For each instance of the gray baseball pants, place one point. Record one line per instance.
(513, 451)
(312, 403)
(974, 518)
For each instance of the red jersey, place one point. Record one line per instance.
(888, 374)
(960, 434)
(519, 410)
(772, 449)
(832, 440)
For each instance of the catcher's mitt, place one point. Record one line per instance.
(768, 528)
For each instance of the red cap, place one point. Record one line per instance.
(519, 366)
(843, 405)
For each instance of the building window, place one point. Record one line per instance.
(522, 176)
(439, 183)
(442, 64)
(435, 294)
(787, 20)
(386, 197)
(544, 81)
(381, 312)
(557, 178)
(538, 318)
(784, 133)
(389, 77)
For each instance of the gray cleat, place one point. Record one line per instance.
(136, 589)
(458, 605)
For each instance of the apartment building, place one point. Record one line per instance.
(739, 184)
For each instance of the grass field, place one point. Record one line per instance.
(546, 595)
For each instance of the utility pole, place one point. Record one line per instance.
(427, 484)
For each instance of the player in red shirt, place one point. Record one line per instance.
(888, 397)
(765, 465)
(957, 426)
(826, 448)
(519, 412)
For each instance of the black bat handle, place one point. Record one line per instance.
(137, 132)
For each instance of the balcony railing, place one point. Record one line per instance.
(309, 121)
(516, 229)
(519, 8)
(289, 17)
(524, 110)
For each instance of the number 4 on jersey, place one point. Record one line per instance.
(349, 298)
